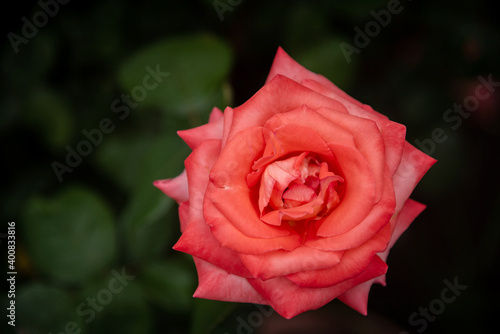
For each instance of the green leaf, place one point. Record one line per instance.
(71, 236)
(169, 284)
(135, 162)
(147, 232)
(196, 65)
(45, 309)
(208, 314)
(132, 160)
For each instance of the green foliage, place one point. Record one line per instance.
(169, 285)
(208, 314)
(196, 66)
(70, 237)
(43, 309)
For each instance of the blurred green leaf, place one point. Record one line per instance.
(132, 160)
(45, 309)
(71, 236)
(49, 115)
(196, 65)
(144, 224)
(111, 306)
(169, 284)
(208, 314)
(146, 233)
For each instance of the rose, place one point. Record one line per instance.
(295, 197)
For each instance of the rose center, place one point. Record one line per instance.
(299, 188)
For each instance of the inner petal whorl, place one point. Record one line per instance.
(300, 188)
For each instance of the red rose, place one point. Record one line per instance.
(295, 197)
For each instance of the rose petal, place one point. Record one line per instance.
(353, 262)
(215, 115)
(353, 106)
(368, 140)
(228, 122)
(359, 196)
(290, 300)
(197, 240)
(286, 139)
(279, 95)
(414, 164)
(176, 188)
(212, 130)
(394, 140)
(231, 237)
(378, 217)
(184, 214)
(228, 178)
(285, 65)
(357, 297)
(411, 209)
(217, 284)
(281, 263)
(198, 165)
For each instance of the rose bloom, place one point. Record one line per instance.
(295, 197)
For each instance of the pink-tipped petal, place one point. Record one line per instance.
(215, 115)
(176, 188)
(195, 136)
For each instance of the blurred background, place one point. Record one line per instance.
(92, 94)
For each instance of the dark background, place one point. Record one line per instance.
(73, 236)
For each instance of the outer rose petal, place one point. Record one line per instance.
(184, 215)
(352, 264)
(285, 65)
(176, 188)
(217, 284)
(414, 164)
(198, 241)
(290, 300)
(212, 130)
(357, 297)
(406, 216)
(198, 165)
(281, 263)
